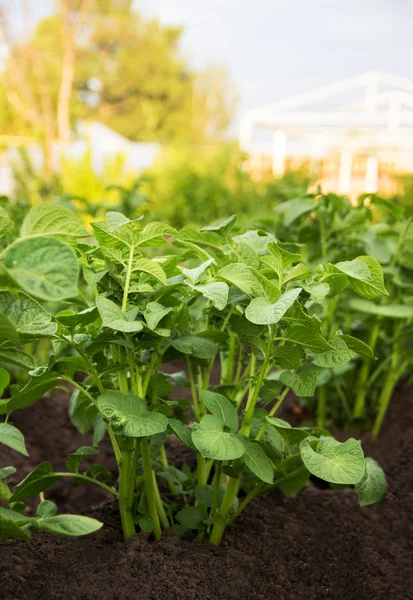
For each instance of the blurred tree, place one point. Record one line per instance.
(99, 59)
(38, 75)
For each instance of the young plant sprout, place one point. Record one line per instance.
(121, 309)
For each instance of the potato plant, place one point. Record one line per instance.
(137, 316)
(334, 230)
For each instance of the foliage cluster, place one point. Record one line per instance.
(242, 314)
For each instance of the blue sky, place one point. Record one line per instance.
(275, 48)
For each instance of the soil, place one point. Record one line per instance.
(318, 545)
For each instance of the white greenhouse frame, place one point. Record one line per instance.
(378, 123)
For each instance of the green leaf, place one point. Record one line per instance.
(333, 461)
(216, 291)
(75, 458)
(115, 219)
(191, 517)
(119, 237)
(262, 312)
(39, 480)
(146, 524)
(372, 487)
(45, 267)
(194, 275)
(9, 529)
(292, 435)
(4, 380)
(287, 356)
(46, 508)
(154, 313)
(293, 209)
(295, 483)
(303, 381)
(257, 461)
(270, 389)
(356, 345)
(304, 335)
(6, 472)
(182, 432)
(256, 241)
(5, 222)
(299, 271)
(27, 316)
(153, 234)
(68, 525)
(249, 281)
(34, 390)
(392, 311)
(213, 442)
(82, 412)
(10, 436)
(365, 275)
(223, 227)
(146, 265)
(8, 332)
(73, 319)
(48, 218)
(11, 356)
(128, 415)
(195, 345)
(339, 354)
(113, 317)
(221, 407)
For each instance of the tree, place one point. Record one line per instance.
(98, 59)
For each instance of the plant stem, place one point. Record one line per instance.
(193, 390)
(164, 461)
(112, 436)
(230, 360)
(246, 425)
(150, 491)
(159, 505)
(250, 496)
(220, 523)
(126, 491)
(90, 480)
(361, 388)
(127, 280)
(273, 411)
(322, 405)
(201, 470)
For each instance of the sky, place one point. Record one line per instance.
(276, 48)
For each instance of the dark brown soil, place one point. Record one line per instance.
(318, 545)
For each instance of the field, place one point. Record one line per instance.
(207, 411)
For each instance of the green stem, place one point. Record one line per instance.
(250, 496)
(193, 390)
(125, 495)
(230, 360)
(385, 397)
(159, 505)
(150, 490)
(127, 280)
(361, 387)
(322, 405)
(201, 470)
(90, 480)
(112, 436)
(273, 411)
(165, 464)
(246, 425)
(220, 523)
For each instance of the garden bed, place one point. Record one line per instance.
(320, 544)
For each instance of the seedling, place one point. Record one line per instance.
(232, 308)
